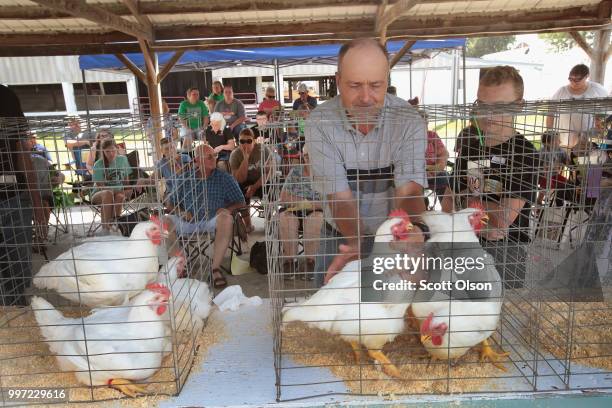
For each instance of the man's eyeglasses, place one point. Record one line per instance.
(575, 80)
(270, 96)
(246, 141)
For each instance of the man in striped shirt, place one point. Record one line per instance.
(367, 151)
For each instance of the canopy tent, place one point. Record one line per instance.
(286, 56)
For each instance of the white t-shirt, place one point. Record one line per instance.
(574, 123)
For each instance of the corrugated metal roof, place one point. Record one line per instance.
(320, 19)
(48, 70)
(331, 13)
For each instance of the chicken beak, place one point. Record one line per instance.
(409, 227)
(425, 338)
(484, 220)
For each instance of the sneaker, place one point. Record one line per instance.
(308, 270)
(115, 230)
(289, 270)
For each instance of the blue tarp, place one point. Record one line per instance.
(316, 53)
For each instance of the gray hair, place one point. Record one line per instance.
(218, 117)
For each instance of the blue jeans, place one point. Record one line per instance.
(328, 249)
(236, 131)
(15, 249)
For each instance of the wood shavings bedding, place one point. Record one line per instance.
(314, 347)
(550, 323)
(25, 361)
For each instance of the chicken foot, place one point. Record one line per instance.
(387, 366)
(357, 351)
(494, 357)
(127, 387)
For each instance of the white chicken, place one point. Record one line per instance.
(461, 226)
(337, 307)
(112, 346)
(191, 298)
(106, 272)
(449, 328)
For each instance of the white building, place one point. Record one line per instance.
(50, 86)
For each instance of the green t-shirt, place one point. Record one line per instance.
(215, 97)
(194, 113)
(113, 175)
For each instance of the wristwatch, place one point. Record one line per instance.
(424, 228)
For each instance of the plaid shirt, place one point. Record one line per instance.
(203, 197)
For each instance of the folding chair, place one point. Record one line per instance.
(196, 245)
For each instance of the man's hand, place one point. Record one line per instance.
(347, 254)
(218, 149)
(250, 191)
(39, 218)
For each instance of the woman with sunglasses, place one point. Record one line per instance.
(270, 104)
(571, 125)
(249, 164)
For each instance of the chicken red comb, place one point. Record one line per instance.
(159, 288)
(426, 325)
(398, 213)
(155, 219)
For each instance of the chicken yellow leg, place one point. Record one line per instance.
(487, 352)
(387, 366)
(127, 387)
(356, 351)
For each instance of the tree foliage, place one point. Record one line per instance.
(477, 47)
(563, 41)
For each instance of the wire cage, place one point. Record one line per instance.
(525, 185)
(131, 316)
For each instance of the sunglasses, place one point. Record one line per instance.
(270, 96)
(246, 141)
(574, 79)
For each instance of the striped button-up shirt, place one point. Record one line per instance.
(371, 166)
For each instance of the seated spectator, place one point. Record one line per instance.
(75, 138)
(304, 99)
(232, 110)
(38, 148)
(193, 115)
(169, 167)
(263, 132)
(111, 185)
(221, 139)
(213, 214)
(95, 153)
(47, 178)
(436, 157)
(270, 105)
(215, 96)
(301, 204)
(250, 167)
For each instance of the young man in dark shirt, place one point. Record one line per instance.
(499, 167)
(19, 200)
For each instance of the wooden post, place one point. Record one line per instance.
(154, 90)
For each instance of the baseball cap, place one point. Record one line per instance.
(302, 88)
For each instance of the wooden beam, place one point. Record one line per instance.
(184, 6)
(582, 43)
(98, 15)
(400, 54)
(142, 19)
(132, 67)
(393, 13)
(149, 58)
(169, 65)
(380, 12)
